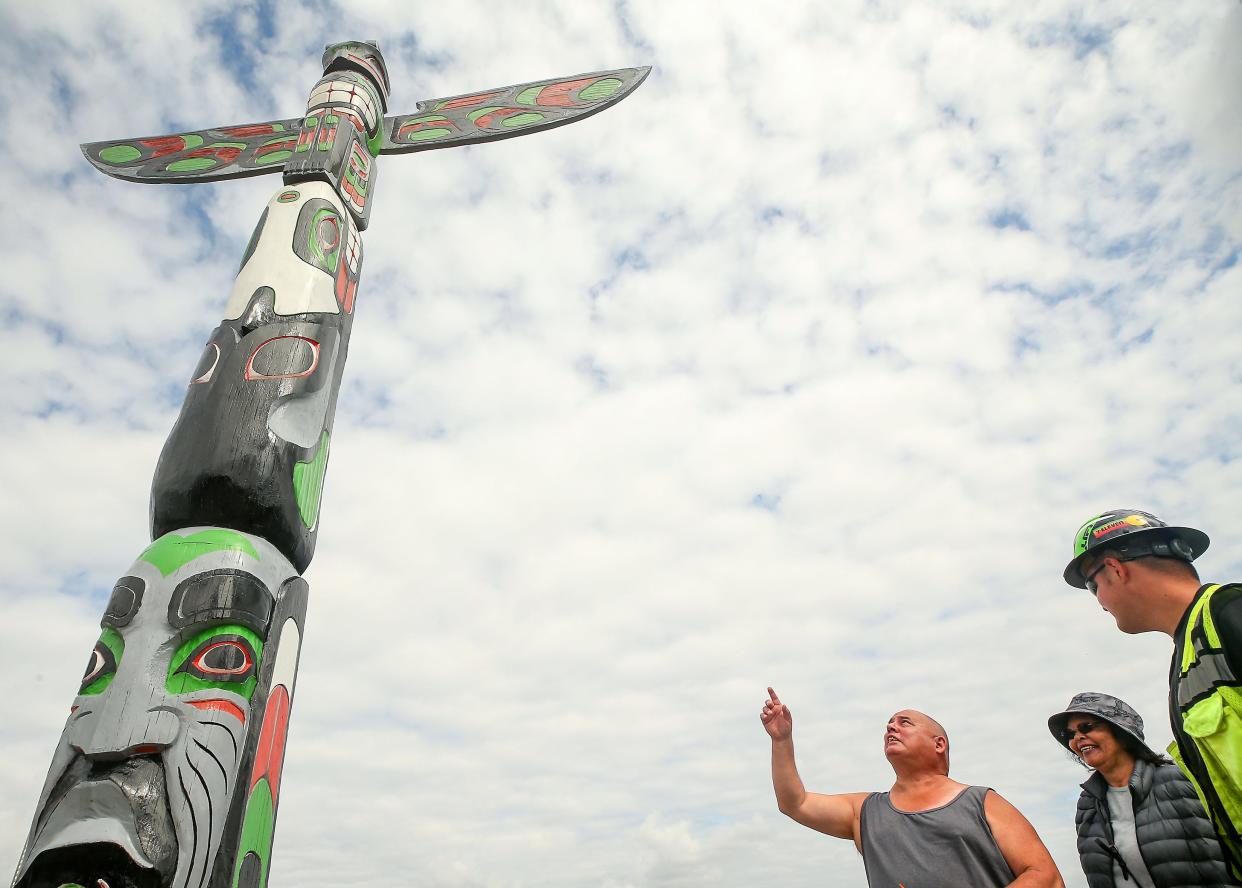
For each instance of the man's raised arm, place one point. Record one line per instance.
(836, 815)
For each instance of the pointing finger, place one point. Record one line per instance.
(772, 694)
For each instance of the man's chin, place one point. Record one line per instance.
(1130, 627)
(107, 822)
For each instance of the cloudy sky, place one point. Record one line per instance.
(798, 367)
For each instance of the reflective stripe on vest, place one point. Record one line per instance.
(1204, 666)
(1209, 711)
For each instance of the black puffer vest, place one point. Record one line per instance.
(1175, 838)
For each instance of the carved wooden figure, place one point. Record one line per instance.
(167, 774)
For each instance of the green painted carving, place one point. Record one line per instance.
(527, 96)
(479, 112)
(192, 163)
(257, 828)
(429, 134)
(600, 89)
(119, 154)
(172, 550)
(192, 141)
(376, 142)
(351, 176)
(111, 639)
(184, 682)
(272, 157)
(521, 120)
(308, 483)
(328, 260)
(420, 135)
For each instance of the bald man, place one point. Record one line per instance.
(927, 831)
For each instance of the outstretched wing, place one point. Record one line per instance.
(232, 152)
(508, 111)
(229, 152)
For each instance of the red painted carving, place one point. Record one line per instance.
(251, 375)
(223, 153)
(357, 199)
(270, 754)
(286, 145)
(164, 145)
(346, 289)
(415, 125)
(368, 64)
(488, 119)
(221, 705)
(468, 101)
(252, 129)
(348, 114)
(557, 94)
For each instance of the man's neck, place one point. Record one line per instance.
(1170, 601)
(922, 790)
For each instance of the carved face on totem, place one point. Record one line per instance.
(149, 784)
(250, 448)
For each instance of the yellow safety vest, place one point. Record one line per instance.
(1206, 705)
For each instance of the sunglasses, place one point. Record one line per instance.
(1089, 579)
(1066, 734)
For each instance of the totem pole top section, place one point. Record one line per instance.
(355, 86)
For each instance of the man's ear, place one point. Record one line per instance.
(941, 744)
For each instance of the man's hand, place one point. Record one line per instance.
(776, 717)
(836, 815)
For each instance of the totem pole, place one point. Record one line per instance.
(167, 774)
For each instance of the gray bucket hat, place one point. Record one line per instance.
(1116, 712)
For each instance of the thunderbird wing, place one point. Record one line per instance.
(507, 111)
(228, 152)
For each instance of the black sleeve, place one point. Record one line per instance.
(1227, 616)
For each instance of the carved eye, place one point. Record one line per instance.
(285, 357)
(328, 232)
(101, 663)
(222, 658)
(206, 364)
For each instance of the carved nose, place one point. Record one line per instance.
(122, 731)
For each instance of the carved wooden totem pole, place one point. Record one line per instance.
(167, 774)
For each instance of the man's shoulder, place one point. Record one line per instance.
(1224, 592)
(861, 798)
(1225, 599)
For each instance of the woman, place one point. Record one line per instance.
(1139, 820)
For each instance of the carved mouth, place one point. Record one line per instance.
(104, 826)
(89, 866)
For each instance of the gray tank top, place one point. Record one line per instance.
(946, 847)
